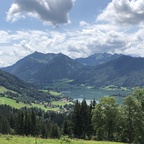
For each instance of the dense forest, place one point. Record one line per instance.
(106, 120)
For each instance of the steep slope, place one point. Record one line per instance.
(97, 59)
(60, 67)
(39, 68)
(29, 65)
(19, 90)
(124, 71)
(11, 82)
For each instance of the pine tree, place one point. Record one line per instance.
(85, 114)
(44, 130)
(19, 127)
(5, 126)
(33, 124)
(68, 128)
(76, 120)
(54, 131)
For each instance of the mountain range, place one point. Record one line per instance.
(97, 59)
(40, 68)
(124, 71)
(96, 70)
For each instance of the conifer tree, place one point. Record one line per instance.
(33, 123)
(20, 123)
(85, 114)
(76, 119)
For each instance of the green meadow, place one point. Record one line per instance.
(12, 103)
(54, 93)
(2, 89)
(8, 139)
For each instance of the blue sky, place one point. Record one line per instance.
(77, 28)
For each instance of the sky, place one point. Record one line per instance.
(77, 28)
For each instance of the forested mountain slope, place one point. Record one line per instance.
(97, 59)
(44, 68)
(29, 65)
(124, 71)
(19, 90)
(60, 67)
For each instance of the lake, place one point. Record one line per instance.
(89, 94)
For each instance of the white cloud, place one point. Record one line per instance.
(81, 43)
(83, 24)
(123, 12)
(119, 29)
(48, 11)
(4, 37)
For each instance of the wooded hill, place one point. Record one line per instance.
(124, 71)
(21, 91)
(105, 121)
(97, 59)
(39, 68)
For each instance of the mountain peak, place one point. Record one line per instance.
(97, 59)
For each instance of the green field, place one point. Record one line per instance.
(8, 139)
(53, 93)
(113, 87)
(2, 89)
(12, 103)
(60, 103)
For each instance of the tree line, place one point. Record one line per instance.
(105, 120)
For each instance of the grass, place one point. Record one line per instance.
(8, 139)
(60, 103)
(113, 87)
(44, 108)
(69, 80)
(89, 87)
(2, 89)
(53, 93)
(12, 103)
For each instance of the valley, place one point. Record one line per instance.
(54, 76)
(54, 96)
(97, 94)
(72, 72)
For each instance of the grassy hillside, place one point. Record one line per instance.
(14, 104)
(7, 139)
(17, 89)
(2, 89)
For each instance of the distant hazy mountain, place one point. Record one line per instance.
(43, 68)
(123, 71)
(97, 59)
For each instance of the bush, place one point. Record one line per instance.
(65, 139)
